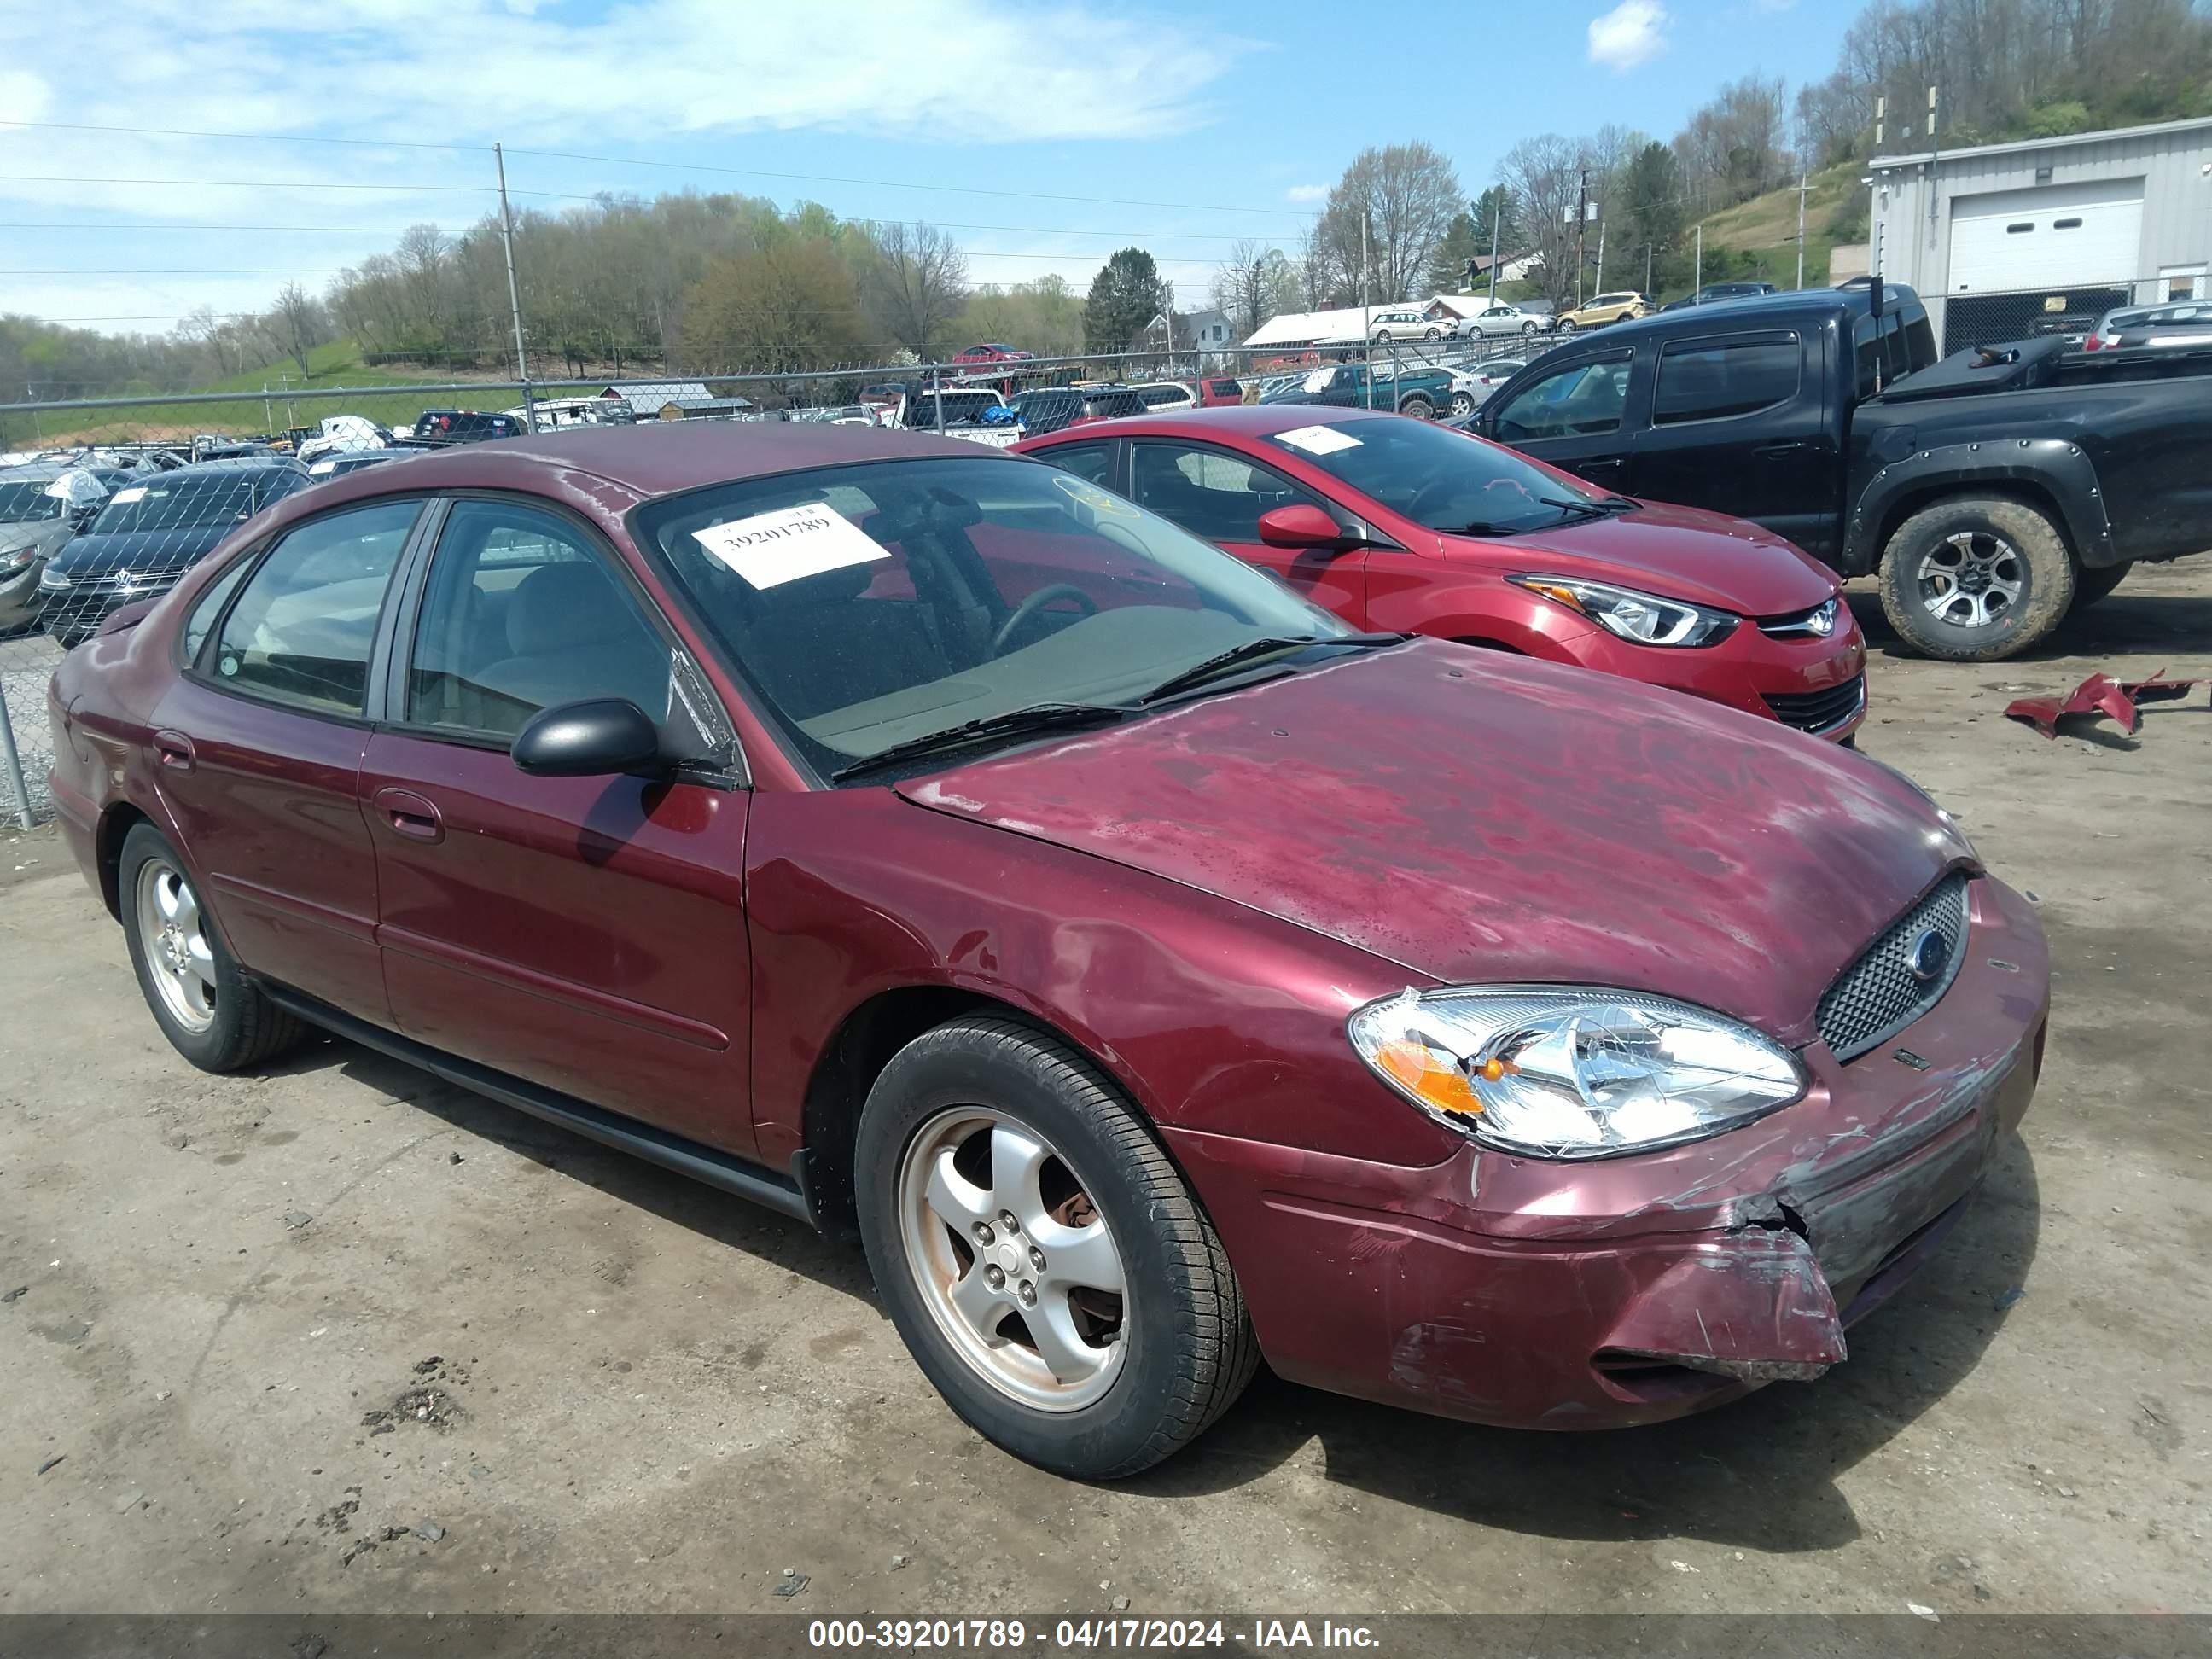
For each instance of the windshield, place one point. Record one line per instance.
(182, 504)
(869, 605)
(1434, 476)
(27, 503)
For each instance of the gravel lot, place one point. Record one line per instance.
(270, 1323)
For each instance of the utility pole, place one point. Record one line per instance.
(1697, 280)
(514, 293)
(1601, 256)
(1647, 248)
(1366, 322)
(1582, 217)
(1935, 157)
(1800, 230)
(1494, 216)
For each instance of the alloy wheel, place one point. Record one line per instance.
(1972, 579)
(174, 935)
(1015, 1264)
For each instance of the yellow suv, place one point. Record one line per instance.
(1603, 309)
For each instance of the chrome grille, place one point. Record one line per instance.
(1880, 994)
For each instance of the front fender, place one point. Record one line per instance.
(2055, 468)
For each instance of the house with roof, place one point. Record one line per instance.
(671, 400)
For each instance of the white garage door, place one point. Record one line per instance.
(2045, 240)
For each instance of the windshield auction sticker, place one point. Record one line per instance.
(771, 549)
(1318, 440)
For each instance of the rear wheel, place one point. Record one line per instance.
(1975, 579)
(1044, 1262)
(1462, 403)
(2091, 585)
(212, 1013)
(1419, 408)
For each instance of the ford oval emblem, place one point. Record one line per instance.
(1931, 954)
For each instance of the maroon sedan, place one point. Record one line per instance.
(1154, 972)
(1398, 523)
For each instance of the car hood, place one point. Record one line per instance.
(1476, 819)
(1681, 552)
(141, 551)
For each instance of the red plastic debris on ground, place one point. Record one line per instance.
(2100, 694)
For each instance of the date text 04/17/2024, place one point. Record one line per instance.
(1082, 1635)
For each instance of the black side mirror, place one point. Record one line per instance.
(597, 738)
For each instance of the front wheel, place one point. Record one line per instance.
(1040, 1255)
(1566, 325)
(1975, 579)
(1528, 331)
(212, 1013)
(1433, 334)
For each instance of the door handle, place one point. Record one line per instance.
(174, 750)
(409, 814)
(1587, 468)
(1787, 446)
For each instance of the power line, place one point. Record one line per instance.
(270, 184)
(231, 270)
(623, 161)
(133, 229)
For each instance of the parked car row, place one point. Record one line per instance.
(1159, 958)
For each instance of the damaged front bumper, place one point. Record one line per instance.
(1523, 1292)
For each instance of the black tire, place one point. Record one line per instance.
(2091, 585)
(245, 1028)
(2039, 567)
(1566, 325)
(1528, 329)
(1433, 334)
(1190, 1350)
(1419, 408)
(1461, 405)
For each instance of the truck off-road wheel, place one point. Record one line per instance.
(1041, 1256)
(2091, 585)
(1975, 579)
(1419, 408)
(212, 1013)
(1462, 403)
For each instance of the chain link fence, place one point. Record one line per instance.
(105, 502)
(1979, 319)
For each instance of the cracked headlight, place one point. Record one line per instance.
(1571, 1072)
(1641, 619)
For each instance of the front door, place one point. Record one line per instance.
(587, 935)
(1575, 416)
(1218, 495)
(258, 748)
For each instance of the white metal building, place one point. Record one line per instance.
(2046, 232)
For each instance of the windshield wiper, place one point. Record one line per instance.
(1199, 672)
(1015, 722)
(1604, 507)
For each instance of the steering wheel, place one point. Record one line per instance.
(1037, 602)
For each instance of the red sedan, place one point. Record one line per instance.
(1154, 972)
(1397, 524)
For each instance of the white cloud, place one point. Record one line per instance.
(1631, 33)
(1306, 193)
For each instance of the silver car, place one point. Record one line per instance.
(2175, 322)
(43, 504)
(1501, 319)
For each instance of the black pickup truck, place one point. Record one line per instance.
(1993, 491)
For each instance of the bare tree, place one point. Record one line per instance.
(1544, 175)
(918, 283)
(303, 322)
(1407, 195)
(1252, 285)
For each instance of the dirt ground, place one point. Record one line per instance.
(340, 1337)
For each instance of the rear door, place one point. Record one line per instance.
(1739, 425)
(1218, 495)
(258, 748)
(588, 933)
(1578, 415)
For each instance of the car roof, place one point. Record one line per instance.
(1786, 305)
(1225, 421)
(231, 466)
(658, 458)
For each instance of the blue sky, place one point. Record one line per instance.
(1200, 125)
